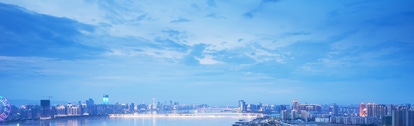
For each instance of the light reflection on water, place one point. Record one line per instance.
(138, 121)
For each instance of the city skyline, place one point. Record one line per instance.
(106, 100)
(215, 52)
(296, 113)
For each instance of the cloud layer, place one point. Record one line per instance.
(265, 50)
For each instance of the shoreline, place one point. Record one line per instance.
(249, 116)
(55, 118)
(198, 115)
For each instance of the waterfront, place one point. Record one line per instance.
(141, 120)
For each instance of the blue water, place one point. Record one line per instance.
(141, 121)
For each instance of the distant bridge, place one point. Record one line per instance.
(218, 109)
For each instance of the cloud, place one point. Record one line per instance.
(269, 1)
(215, 15)
(167, 44)
(176, 35)
(146, 45)
(196, 53)
(207, 60)
(211, 3)
(235, 56)
(121, 12)
(180, 20)
(250, 14)
(27, 33)
(119, 52)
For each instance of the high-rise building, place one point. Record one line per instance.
(362, 110)
(61, 110)
(399, 118)
(242, 106)
(410, 118)
(295, 105)
(390, 109)
(334, 109)
(377, 110)
(285, 115)
(45, 108)
(370, 109)
(69, 109)
(154, 105)
(45, 103)
(90, 102)
(304, 115)
(132, 108)
(386, 121)
(318, 108)
(293, 114)
(381, 110)
(105, 99)
(402, 116)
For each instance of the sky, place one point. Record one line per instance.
(208, 51)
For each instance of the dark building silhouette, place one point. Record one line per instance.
(45, 108)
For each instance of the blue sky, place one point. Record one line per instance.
(208, 51)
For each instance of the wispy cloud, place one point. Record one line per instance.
(252, 12)
(211, 3)
(207, 60)
(180, 20)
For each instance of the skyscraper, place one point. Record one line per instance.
(362, 110)
(90, 102)
(242, 106)
(293, 114)
(371, 109)
(381, 110)
(295, 105)
(132, 108)
(154, 105)
(410, 118)
(399, 118)
(390, 109)
(334, 109)
(285, 115)
(377, 110)
(105, 99)
(45, 104)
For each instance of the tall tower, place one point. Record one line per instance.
(295, 105)
(45, 104)
(90, 102)
(335, 109)
(242, 106)
(154, 106)
(371, 109)
(410, 117)
(362, 110)
(399, 118)
(105, 99)
(381, 110)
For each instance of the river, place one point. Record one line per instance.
(147, 120)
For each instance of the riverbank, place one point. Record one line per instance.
(194, 115)
(55, 118)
